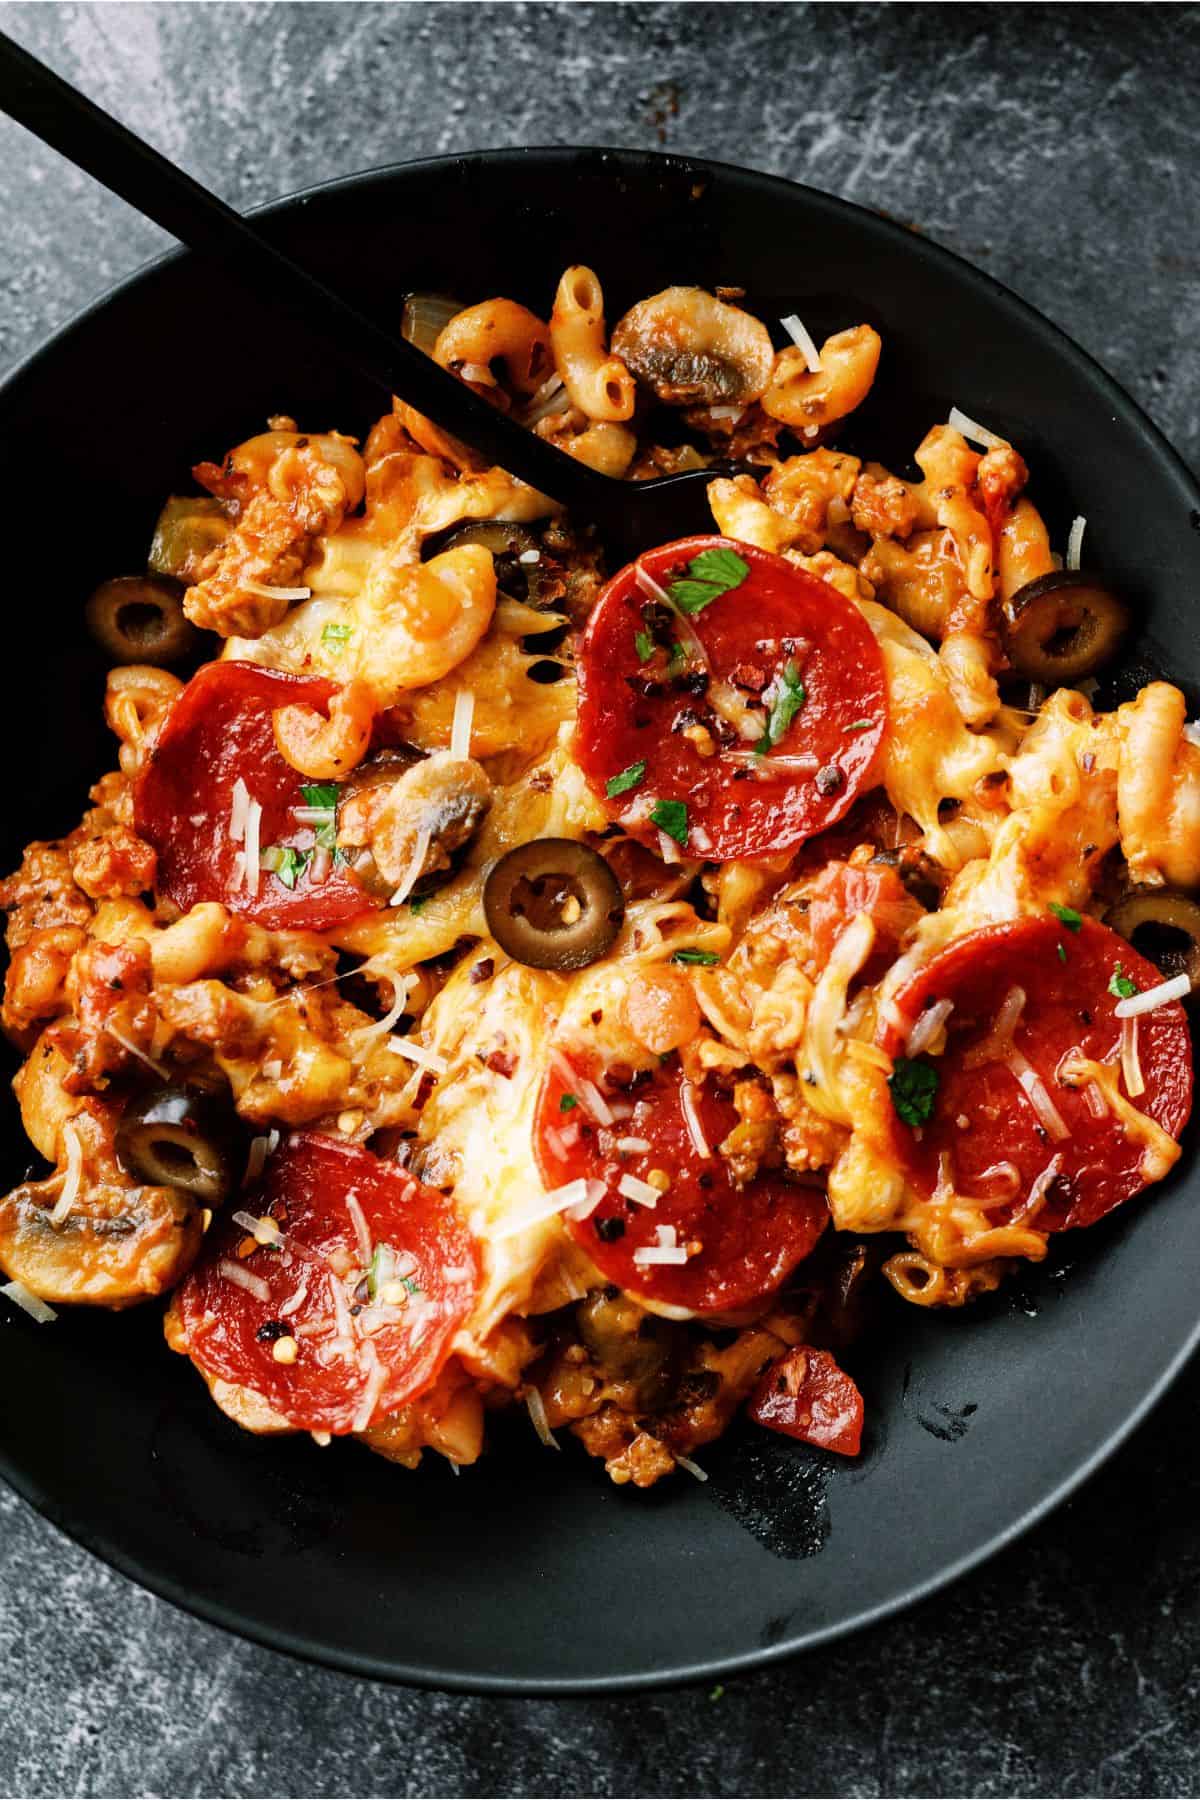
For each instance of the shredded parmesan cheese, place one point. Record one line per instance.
(927, 1026)
(1038, 1095)
(640, 1192)
(277, 593)
(29, 1302)
(692, 1468)
(118, 1037)
(558, 1200)
(240, 1277)
(417, 1053)
(972, 429)
(400, 991)
(650, 587)
(362, 1233)
(237, 812)
(1038, 1192)
(691, 1118)
(1131, 1066)
(1152, 998)
(69, 1192)
(666, 1251)
(376, 1381)
(803, 341)
(416, 864)
(253, 851)
(537, 1414)
(460, 729)
(1075, 542)
(629, 1146)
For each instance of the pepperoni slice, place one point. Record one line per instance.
(779, 627)
(340, 1210)
(805, 1395)
(741, 1242)
(218, 730)
(982, 1120)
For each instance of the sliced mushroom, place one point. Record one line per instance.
(1063, 627)
(410, 818)
(1164, 925)
(693, 350)
(140, 619)
(553, 904)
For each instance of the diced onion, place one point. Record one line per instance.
(536, 1407)
(253, 1284)
(29, 1302)
(1152, 998)
(803, 341)
(640, 1192)
(1038, 1095)
(972, 429)
(460, 729)
(1075, 542)
(692, 1468)
(927, 1026)
(691, 1118)
(416, 864)
(1131, 1067)
(71, 1180)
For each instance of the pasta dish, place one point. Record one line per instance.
(490, 978)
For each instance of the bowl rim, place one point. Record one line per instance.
(694, 1672)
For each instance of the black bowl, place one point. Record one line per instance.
(529, 1572)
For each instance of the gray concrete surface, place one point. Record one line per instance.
(1055, 146)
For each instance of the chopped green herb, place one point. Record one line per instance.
(643, 643)
(411, 1283)
(709, 575)
(337, 636)
(860, 725)
(418, 905)
(287, 863)
(913, 1085)
(321, 793)
(701, 959)
(628, 778)
(786, 695)
(671, 816)
(1121, 986)
(326, 835)
(1066, 915)
(567, 1102)
(717, 1692)
(1062, 952)
(676, 659)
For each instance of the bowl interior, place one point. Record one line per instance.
(530, 1570)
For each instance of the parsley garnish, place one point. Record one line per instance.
(1121, 986)
(676, 659)
(717, 1692)
(643, 643)
(321, 793)
(671, 816)
(567, 1102)
(709, 575)
(416, 905)
(787, 694)
(913, 1086)
(289, 863)
(1066, 915)
(628, 778)
(1062, 952)
(411, 1283)
(859, 725)
(337, 636)
(701, 959)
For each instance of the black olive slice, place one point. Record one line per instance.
(180, 1137)
(140, 619)
(508, 543)
(1164, 925)
(1063, 627)
(553, 904)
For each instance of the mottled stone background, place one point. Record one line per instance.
(1057, 147)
